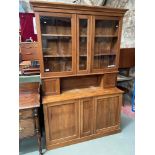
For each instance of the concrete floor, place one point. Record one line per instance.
(118, 144)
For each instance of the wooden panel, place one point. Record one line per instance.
(51, 86)
(72, 8)
(29, 51)
(29, 86)
(62, 122)
(46, 67)
(26, 113)
(109, 80)
(26, 128)
(127, 58)
(83, 44)
(29, 100)
(80, 93)
(79, 82)
(106, 112)
(86, 110)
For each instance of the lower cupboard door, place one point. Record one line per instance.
(107, 113)
(61, 121)
(86, 117)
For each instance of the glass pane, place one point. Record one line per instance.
(106, 27)
(56, 43)
(83, 44)
(105, 43)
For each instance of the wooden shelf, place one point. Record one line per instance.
(105, 54)
(100, 54)
(56, 35)
(83, 35)
(56, 56)
(106, 36)
(59, 56)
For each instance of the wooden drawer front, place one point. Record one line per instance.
(51, 86)
(26, 113)
(107, 110)
(109, 80)
(26, 128)
(29, 51)
(61, 122)
(86, 110)
(29, 86)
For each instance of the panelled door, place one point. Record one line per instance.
(57, 39)
(105, 41)
(86, 116)
(107, 113)
(61, 121)
(83, 43)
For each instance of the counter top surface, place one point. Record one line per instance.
(80, 93)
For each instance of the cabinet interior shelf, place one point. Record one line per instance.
(83, 35)
(59, 56)
(105, 54)
(56, 56)
(106, 36)
(56, 35)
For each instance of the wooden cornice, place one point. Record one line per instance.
(45, 6)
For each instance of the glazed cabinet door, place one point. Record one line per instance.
(86, 116)
(61, 121)
(83, 43)
(57, 38)
(107, 113)
(105, 43)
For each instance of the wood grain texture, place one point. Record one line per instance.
(26, 113)
(89, 104)
(86, 113)
(72, 8)
(51, 86)
(110, 131)
(62, 122)
(29, 51)
(29, 87)
(93, 117)
(75, 13)
(106, 112)
(127, 58)
(26, 128)
(80, 93)
(109, 80)
(29, 102)
(70, 83)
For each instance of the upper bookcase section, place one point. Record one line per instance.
(44, 6)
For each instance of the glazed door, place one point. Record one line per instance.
(61, 121)
(107, 113)
(57, 43)
(105, 43)
(86, 116)
(83, 43)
